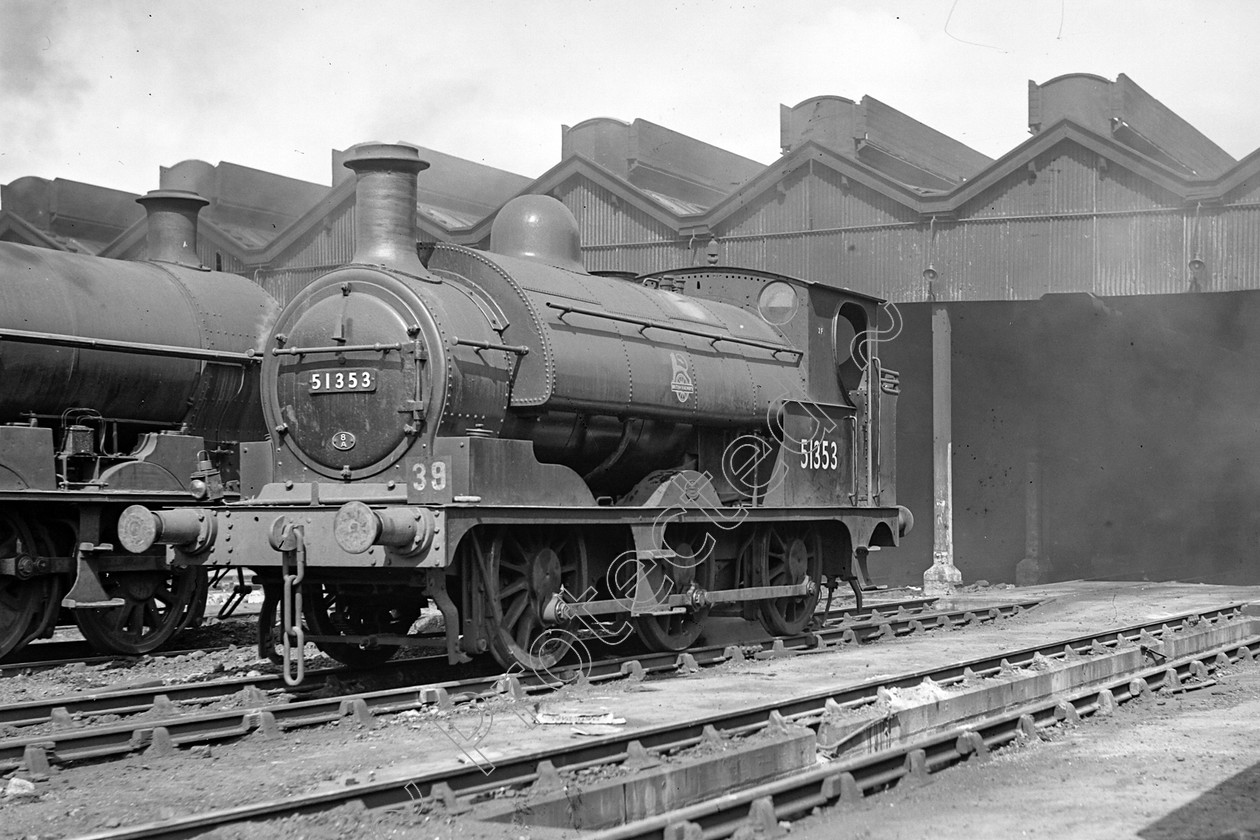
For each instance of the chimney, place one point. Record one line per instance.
(172, 233)
(385, 205)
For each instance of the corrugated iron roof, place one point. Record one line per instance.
(248, 237)
(447, 218)
(675, 205)
(1130, 115)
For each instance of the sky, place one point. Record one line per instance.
(107, 91)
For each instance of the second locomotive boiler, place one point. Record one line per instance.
(542, 452)
(123, 382)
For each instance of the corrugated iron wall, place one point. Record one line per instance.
(323, 250)
(283, 284)
(1230, 248)
(821, 226)
(219, 260)
(617, 236)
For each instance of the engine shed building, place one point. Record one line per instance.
(1073, 321)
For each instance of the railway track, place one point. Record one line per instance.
(456, 789)
(762, 809)
(430, 668)
(258, 710)
(60, 652)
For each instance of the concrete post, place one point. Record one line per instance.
(1029, 571)
(943, 576)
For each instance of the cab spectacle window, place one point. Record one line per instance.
(778, 302)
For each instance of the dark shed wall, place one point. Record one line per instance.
(992, 433)
(1142, 411)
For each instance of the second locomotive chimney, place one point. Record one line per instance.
(385, 205)
(172, 235)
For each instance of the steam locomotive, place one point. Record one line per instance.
(543, 453)
(124, 382)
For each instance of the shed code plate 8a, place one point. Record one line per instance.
(341, 381)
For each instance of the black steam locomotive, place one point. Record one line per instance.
(123, 382)
(544, 453)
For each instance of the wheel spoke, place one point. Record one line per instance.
(333, 610)
(156, 605)
(514, 549)
(524, 631)
(521, 569)
(513, 613)
(693, 565)
(782, 565)
(518, 585)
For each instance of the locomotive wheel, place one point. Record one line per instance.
(48, 546)
(787, 553)
(693, 565)
(157, 605)
(331, 610)
(24, 604)
(520, 570)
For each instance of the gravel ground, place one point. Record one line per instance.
(81, 799)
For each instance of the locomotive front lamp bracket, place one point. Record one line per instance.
(206, 482)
